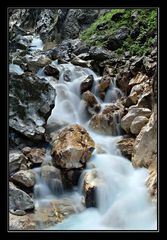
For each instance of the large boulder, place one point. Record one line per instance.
(31, 101)
(72, 147)
(137, 124)
(133, 112)
(19, 200)
(145, 146)
(16, 158)
(25, 178)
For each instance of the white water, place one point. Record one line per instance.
(15, 69)
(36, 44)
(123, 202)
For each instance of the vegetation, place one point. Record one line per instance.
(142, 24)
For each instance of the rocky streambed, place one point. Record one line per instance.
(82, 130)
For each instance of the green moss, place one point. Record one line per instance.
(146, 21)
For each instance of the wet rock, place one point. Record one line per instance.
(87, 84)
(25, 178)
(31, 101)
(137, 124)
(15, 160)
(117, 16)
(133, 112)
(104, 86)
(51, 70)
(90, 185)
(21, 222)
(145, 146)
(18, 199)
(126, 146)
(70, 178)
(36, 62)
(72, 147)
(107, 122)
(92, 104)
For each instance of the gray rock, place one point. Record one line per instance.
(18, 199)
(15, 160)
(25, 178)
(31, 101)
(98, 53)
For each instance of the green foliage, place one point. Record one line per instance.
(146, 21)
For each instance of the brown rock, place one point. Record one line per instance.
(21, 222)
(137, 124)
(133, 112)
(140, 77)
(87, 84)
(72, 147)
(126, 147)
(107, 122)
(35, 155)
(151, 181)
(92, 104)
(145, 146)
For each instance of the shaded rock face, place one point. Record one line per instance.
(30, 103)
(72, 147)
(70, 178)
(145, 146)
(126, 147)
(19, 200)
(87, 84)
(77, 20)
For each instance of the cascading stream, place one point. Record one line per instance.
(123, 202)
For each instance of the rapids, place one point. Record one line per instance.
(123, 202)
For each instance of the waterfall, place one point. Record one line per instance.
(123, 201)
